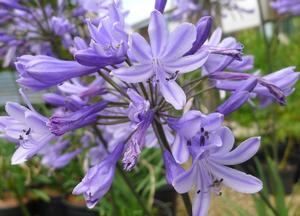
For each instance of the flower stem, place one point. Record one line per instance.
(112, 83)
(162, 138)
(187, 202)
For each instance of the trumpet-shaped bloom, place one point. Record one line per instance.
(60, 124)
(226, 53)
(187, 127)
(275, 86)
(164, 60)
(27, 128)
(40, 72)
(98, 179)
(212, 153)
(141, 117)
(109, 41)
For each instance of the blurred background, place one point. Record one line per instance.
(274, 41)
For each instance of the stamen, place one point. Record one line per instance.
(173, 76)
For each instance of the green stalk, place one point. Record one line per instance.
(113, 84)
(162, 138)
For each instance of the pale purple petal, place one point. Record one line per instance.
(237, 180)
(16, 111)
(173, 93)
(180, 150)
(227, 138)
(158, 33)
(180, 41)
(134, 74)
(201, 203)
(188, 63)
(140, 49)
(185, 181)
(242, 153)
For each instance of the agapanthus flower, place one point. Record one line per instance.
(273, 87)
(225, 54)
(53, 156)
(187, 127)
(141, 117)
(160, 5)
(184, 8)
(60, 124)
(27, 128)
(40, 72)
(163, 61)
(211, 150)
(61, 26)
(287, 6)
(98, 179)
(109, 41)
(240, 96)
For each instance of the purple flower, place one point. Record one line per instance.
(287, 6)
(26, 127)
(203, 30)
(109, 41)
(60, 124)
(98, 179)
(61, 26)
(40, 72)
(212, 152)
(225, 54)
(53, 157)
(141, 117)
(275, 86)
(164, 60)
(72, 103)
(187, 127)
(185, 8)
(160, 5)
(12, 4)
(239, 97)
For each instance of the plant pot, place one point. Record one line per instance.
(75, 207)
(165, 200)
(10, 207)
(43, 208)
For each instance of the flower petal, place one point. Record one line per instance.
(237, 180)
(140, 49)
(180, 150)
(158, 33)
(180, 41)
(227, 138)
(134, 74)
(185, 181)
(212, 121)
(16, 111)
(242, 153)
(190, 123)
(201, 203)
(36, 122)
(188, 63)
(173, 93)
(215, 37)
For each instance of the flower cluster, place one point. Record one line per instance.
(287, 6)
(123, 93)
